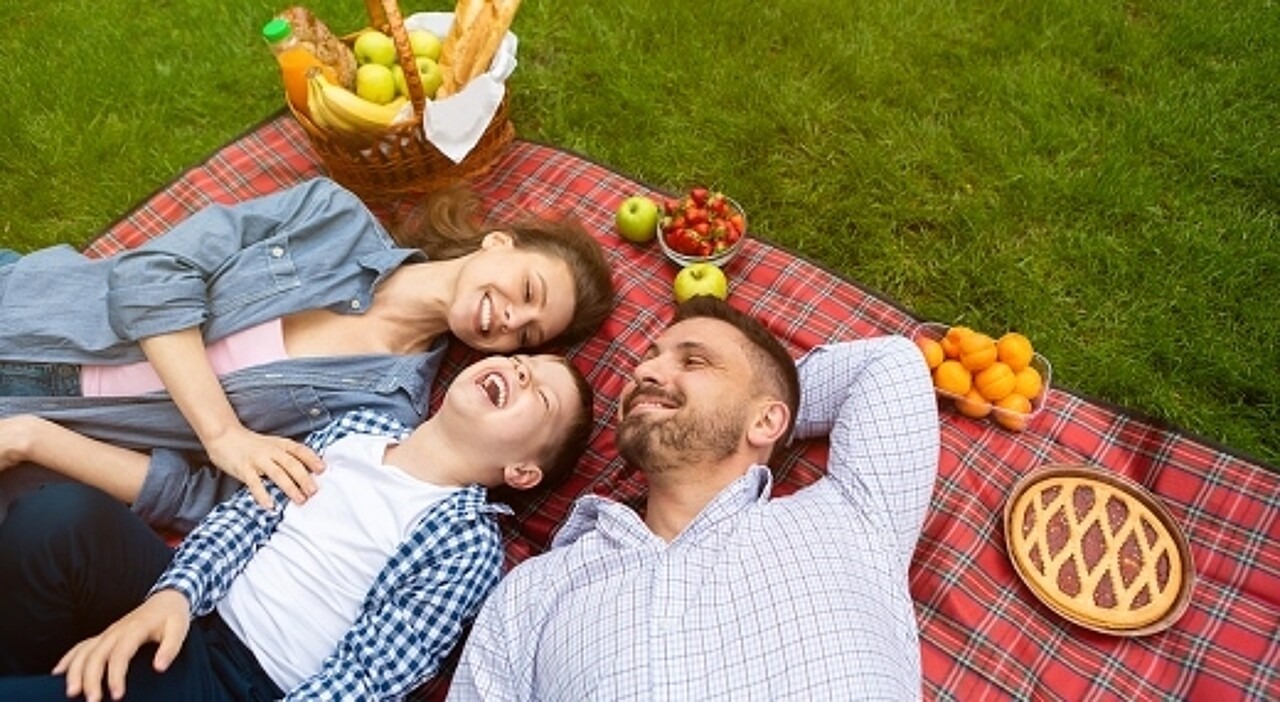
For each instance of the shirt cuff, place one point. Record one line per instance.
(175, 495)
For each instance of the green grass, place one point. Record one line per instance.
(1103, 176)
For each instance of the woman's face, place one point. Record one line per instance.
(509, 298)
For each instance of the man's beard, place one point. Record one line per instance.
(662, 445)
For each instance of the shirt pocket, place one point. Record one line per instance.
(262, 271)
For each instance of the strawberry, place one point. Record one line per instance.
(699, 196)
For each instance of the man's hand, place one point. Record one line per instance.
(164, 619)
(249, 457)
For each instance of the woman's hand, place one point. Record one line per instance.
(17, 438)
(164, 619)
(249, 457)
(180, 360)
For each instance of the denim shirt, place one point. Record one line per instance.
(225, 268)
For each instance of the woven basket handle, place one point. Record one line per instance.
(384, 15)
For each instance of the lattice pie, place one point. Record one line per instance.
(1096, 551)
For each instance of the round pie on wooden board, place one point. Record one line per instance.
(1098, 549)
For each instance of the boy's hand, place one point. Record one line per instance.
(164, 619)
(249, 457)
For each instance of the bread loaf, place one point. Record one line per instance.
(473, 39)
(313, 34)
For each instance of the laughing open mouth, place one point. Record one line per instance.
(495, 388)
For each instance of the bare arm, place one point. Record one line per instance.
(180, 361)
(116, 471)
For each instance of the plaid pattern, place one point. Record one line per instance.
(983, 635)
(415, 611)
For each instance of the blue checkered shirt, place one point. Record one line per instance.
(802, 597)
(416, 609)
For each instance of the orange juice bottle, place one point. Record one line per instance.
(294, 60)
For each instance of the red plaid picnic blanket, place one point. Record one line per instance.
(983, 634)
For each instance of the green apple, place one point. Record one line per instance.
(700, 279)
(637, 219)
(375, 83)
(425, 44)
(431, 74)
(428, 72)
(375, 47)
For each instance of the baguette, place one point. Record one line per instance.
(478, 29)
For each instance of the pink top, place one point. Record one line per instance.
(249, 347)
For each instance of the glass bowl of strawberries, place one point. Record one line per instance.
(704, 226)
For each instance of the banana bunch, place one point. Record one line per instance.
(336, 109)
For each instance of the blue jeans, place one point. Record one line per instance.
(22, 379)
(72, 561)
(18, 379)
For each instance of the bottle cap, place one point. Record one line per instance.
(276, 30)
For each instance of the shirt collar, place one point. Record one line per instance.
(621, 523)
(473, 499)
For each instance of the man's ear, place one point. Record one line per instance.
(497, 239)
(769, 424)
(522, 476)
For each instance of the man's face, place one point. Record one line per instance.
(688, 400)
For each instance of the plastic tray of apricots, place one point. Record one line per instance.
(1000, 378)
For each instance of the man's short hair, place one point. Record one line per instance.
(775, 370)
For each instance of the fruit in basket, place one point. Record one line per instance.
(428, 72)
(425, 44)
(637, 219)
(334, 108)
(702, 223)
(373, 46)
(700, 279)
(321, 41)
(375, 83)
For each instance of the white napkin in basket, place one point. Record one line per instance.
(456, 123)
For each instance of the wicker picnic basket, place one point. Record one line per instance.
(400, 162)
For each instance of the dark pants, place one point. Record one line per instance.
(72, 561)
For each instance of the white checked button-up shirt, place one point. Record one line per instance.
(795, 598)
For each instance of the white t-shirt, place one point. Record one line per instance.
(302, 591)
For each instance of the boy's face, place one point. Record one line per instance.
(514, 408)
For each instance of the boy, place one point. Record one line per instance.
(359, 593)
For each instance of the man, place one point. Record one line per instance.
(358, 594)
(717, 591)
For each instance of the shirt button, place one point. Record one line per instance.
(315, 412)
(277, 251)
(355, 304)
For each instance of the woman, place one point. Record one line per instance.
(271, 317)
